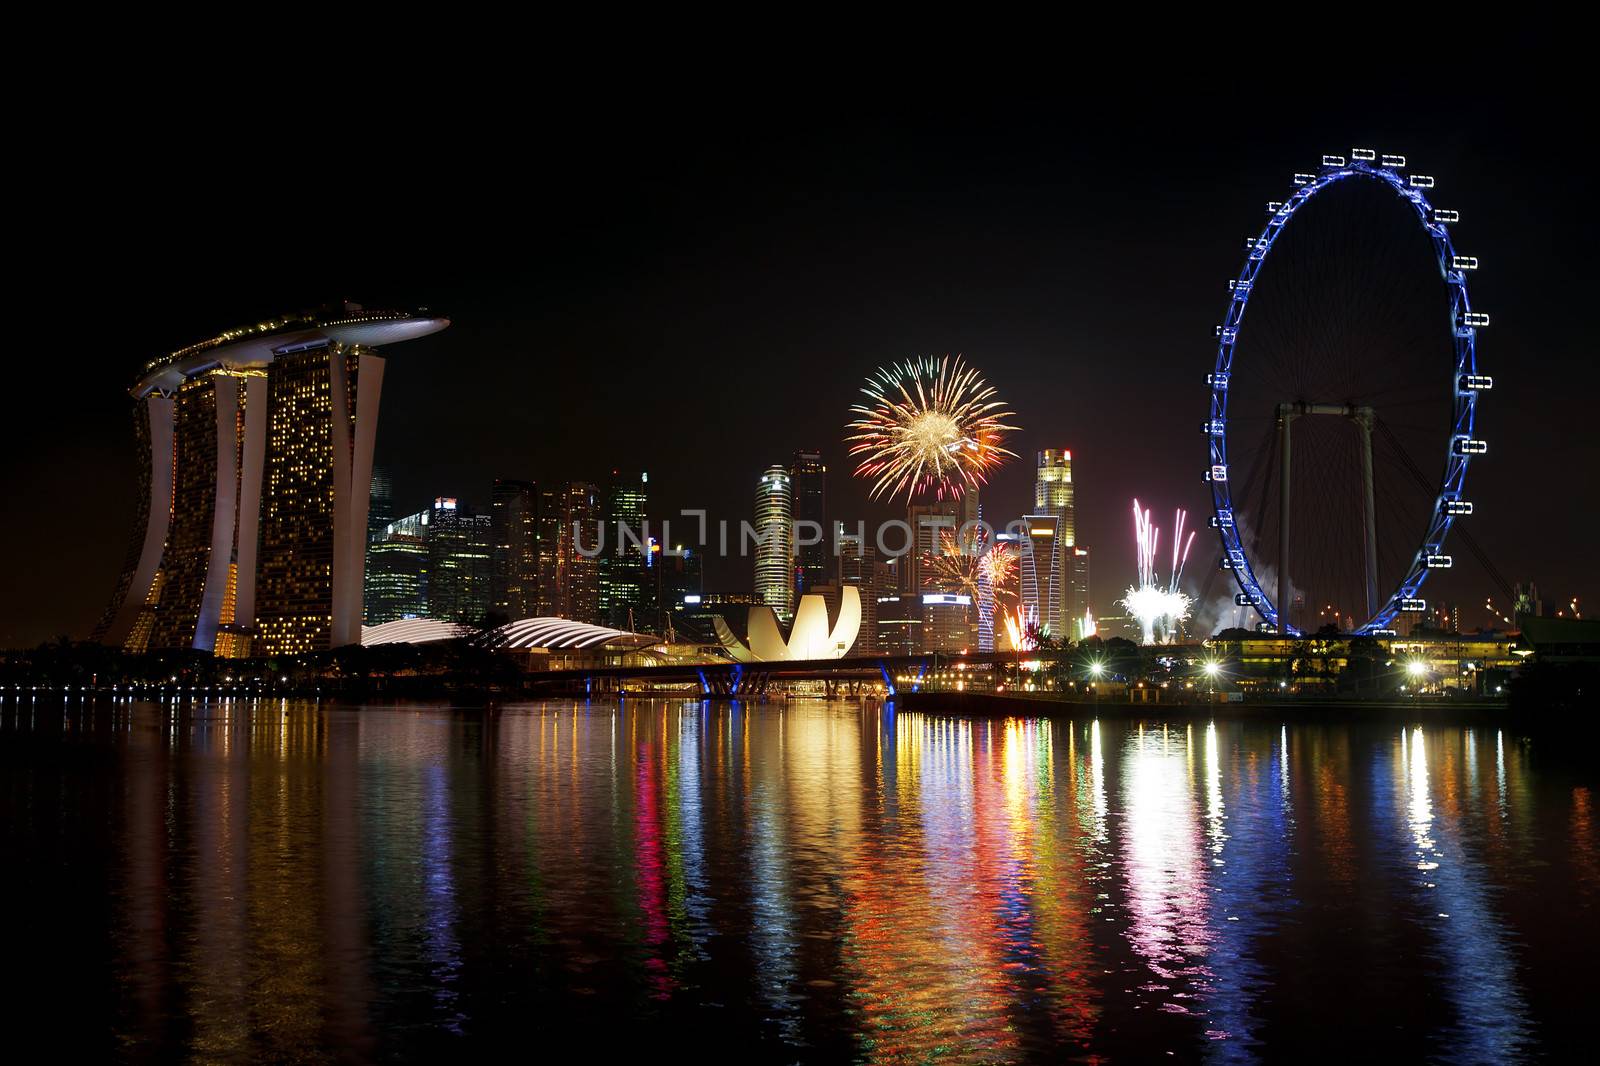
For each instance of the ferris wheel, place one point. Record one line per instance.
(1315, 427)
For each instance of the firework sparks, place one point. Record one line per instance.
(1158, 607)
(964, 568)
(931, 424)
(1020, 630)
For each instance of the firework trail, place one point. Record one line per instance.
(931, 424)
(1158, 607)
(1020, 629)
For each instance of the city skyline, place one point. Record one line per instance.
(1087, 296)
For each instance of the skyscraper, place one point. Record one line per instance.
(858, 566)
(513, 520)
(679, 589)
(1039, 573)
(775, 542)
(1055, 580)
(808, 488)
(460, 565)
(255, 449)
(624, 565)
(577, 561)
(547, 547)
(397, 571)
(380, 511)
(1078, 591)
(1053, 491)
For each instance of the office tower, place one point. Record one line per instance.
(774, 549)
(397, 571)
(1059, 587)
(460, 566)
(1078, 592)
(253, 520)
(625, 563)
(380, 509)
(809, 508)
(679, 591)
(899, 616)
(1039, 573)
(513, 520)
(858, 566)
(547, 549)
(948, 621)
(577, 584)
(1053, 491)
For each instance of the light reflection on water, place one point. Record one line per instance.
(802, 882)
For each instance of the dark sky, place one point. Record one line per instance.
(695, 283)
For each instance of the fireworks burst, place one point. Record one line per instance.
(1159, 608)
(932, 424)
(964, 568)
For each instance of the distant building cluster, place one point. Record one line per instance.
(904, 609)
(264, 529)
(540, 551)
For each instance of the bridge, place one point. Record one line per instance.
(898, 673)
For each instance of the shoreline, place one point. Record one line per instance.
(992, 705)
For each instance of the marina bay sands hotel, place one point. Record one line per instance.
(255, 463)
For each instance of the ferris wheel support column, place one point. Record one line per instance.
(1363, 418)
(1286, 413)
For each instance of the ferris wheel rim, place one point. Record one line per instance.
(1467, 383)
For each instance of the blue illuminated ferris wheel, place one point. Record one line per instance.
(1282, 410)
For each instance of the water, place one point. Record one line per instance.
(806, 883)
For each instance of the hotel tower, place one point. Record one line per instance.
(255, 468)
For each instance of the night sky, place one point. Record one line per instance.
(696, 284)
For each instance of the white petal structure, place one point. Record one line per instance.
(412, 631)
(809, 639)
(561, 633)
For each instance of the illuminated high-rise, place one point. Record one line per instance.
(255, 452)
(397, 571)
(547, 547)
(808, 477)
(858, 566)
(1039, 573)
(1054, 567)
(774, 549)
(460, 563)
(625, 593)
(577, 584)
(1053, 491)
(513, 515)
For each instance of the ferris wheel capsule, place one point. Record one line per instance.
(1394, 161)
(1364, 155)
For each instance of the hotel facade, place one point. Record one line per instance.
(254, 453)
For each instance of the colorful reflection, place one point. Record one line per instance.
(800, 881)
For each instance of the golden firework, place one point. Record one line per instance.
(933, 423)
